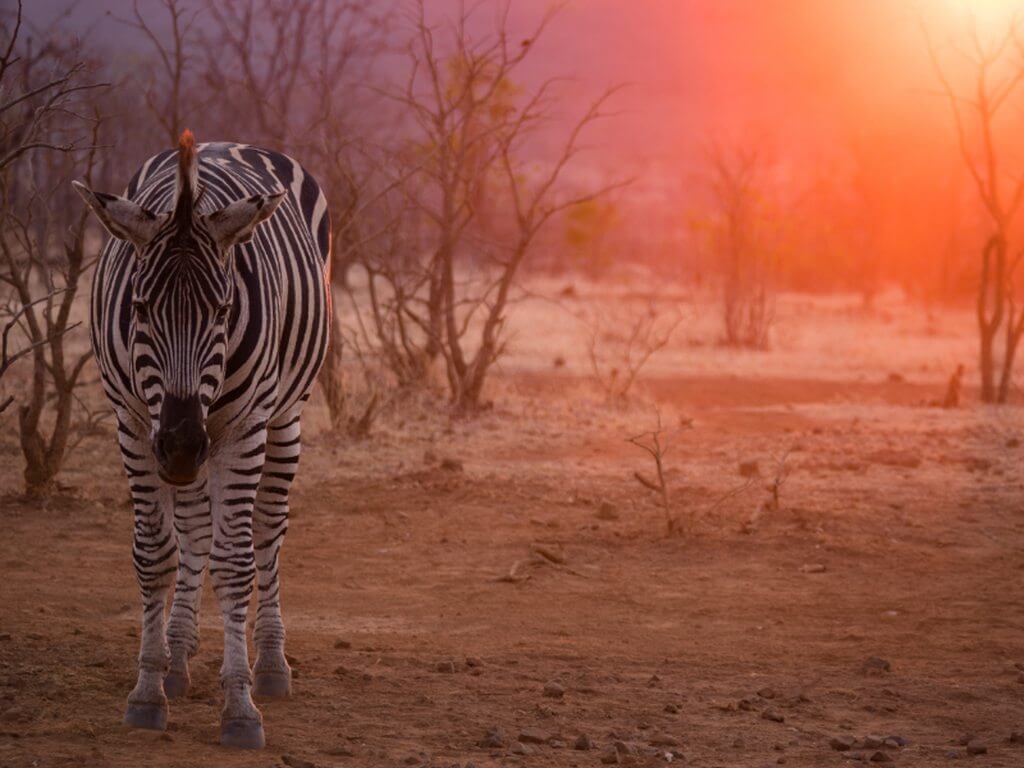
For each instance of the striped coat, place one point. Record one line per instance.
(210, 312)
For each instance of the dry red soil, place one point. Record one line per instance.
(426, 605)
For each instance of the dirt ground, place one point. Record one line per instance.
(429, 601)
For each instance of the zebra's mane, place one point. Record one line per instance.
(188, 182)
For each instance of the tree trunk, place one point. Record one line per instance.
(988, 326)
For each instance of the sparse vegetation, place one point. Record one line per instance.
(46, 139)
(622, 342)
(980, 108)
(744, 247)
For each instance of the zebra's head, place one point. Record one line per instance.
(182, 312)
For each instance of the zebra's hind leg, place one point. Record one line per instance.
(273, 676)
(154, 551)
(234, 479)
(193, 523)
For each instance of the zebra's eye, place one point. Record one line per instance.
(141, 311)
(222, 312)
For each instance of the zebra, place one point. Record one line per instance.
(210, 309)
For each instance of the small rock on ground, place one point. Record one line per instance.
(493, 739)
(975, 747)
(518, 748)
(554, 690)
(534, 736)
(842, 743)
(873, 665)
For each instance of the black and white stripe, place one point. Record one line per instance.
(238, 335)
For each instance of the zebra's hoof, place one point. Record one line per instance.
(242, 734)
(146, 715)
(176, 684)
(272, 685)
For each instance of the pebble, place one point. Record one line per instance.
(473, 661)
(880, 757)
(813, 568)
(1017, 737)
(448, 667)
(766, 693)
(296, 762)
(611, 757)
(672, 709)
(771, 714)
(624, 747)
(975, 747)
(554, 690)
(607, 511)
(534, 736)
(519, 748)
(342, 644)
(583, 742)
(872, 742)
(451, 465)
(842, 743)
(873, 665)
(493, 739)
(664, 740)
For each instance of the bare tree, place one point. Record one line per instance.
(656, 444)
(622, 343)
(470, 129)
(45, 142)
(167, 88)
(741, 245)
(39, 89)
(14, 312)
(978, 111)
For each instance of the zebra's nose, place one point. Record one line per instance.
(181, 444)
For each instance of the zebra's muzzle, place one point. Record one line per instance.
(181, 444)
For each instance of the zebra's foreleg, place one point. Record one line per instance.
(154, 551)
(272, 674)
(234, 479)
(193, 524)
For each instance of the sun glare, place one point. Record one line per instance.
(990, 16)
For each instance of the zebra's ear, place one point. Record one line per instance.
(123, 219)
(237, 222)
